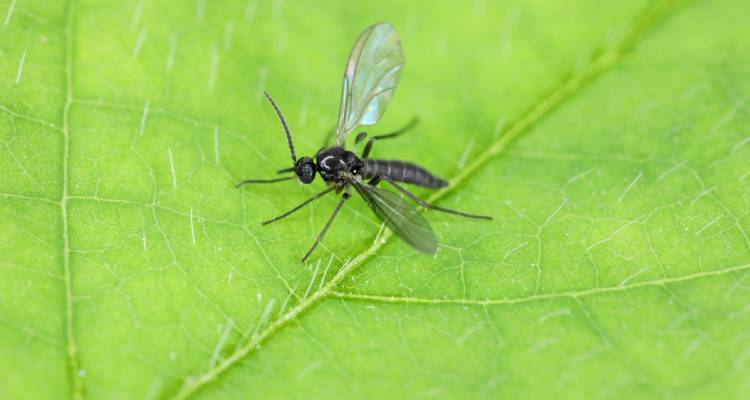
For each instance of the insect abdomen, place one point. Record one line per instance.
(402, 172)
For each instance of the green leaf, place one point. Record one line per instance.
(610, 143)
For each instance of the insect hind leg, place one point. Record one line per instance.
(368, 147)
(430, 206)
(374, 181)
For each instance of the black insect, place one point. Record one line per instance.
(371, 76)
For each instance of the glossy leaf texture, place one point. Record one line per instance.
(609, 141)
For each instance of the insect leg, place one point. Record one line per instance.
(246, 181)
(368, 146)
(374, 181)
(360, 137)
(322, 233)
(430, 206)
(304, 203)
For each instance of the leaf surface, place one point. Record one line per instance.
(610, 143)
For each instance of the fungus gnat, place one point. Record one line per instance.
(371, 75)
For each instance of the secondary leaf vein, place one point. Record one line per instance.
(558, 96)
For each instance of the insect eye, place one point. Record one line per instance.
(305, 169)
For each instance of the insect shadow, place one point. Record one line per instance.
(370, 78)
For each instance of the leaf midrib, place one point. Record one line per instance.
(564, 92)
(70, 342)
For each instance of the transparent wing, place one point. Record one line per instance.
(400, 216)
(370, 78)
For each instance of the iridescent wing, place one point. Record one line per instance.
(401, 217)
(370, 78)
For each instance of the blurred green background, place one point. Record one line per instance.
(609, 140)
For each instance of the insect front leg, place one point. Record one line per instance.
(304, 203)
(248, 181)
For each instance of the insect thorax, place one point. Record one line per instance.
(332, 161)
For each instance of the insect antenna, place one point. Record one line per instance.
(246, 181)
(283, 124)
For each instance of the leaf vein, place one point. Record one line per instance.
(74, 366)
(536, 113)
(540, 297)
